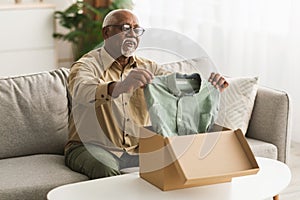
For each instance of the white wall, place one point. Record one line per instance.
(26, 34)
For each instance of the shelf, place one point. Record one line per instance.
(26, 6)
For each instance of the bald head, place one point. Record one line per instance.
(115, 16)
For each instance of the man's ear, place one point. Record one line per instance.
(105, 33)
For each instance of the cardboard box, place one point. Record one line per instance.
(194, 160)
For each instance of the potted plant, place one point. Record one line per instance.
(83, 22)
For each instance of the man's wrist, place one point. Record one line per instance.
(111, 87)
(114, 89)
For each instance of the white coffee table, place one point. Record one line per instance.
(272, 178)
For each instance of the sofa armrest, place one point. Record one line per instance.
(270, 120)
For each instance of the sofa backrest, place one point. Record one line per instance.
(33, 113)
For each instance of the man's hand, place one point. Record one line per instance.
(136, 78)
(218, 81)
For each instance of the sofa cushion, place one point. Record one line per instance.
(263, 149)
(270, 120)
(32, 177)
(202, 65)
(34, 113)
(236, 103)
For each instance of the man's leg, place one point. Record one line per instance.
(92, 160)
(128, 161)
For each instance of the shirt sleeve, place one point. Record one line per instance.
(85, 87)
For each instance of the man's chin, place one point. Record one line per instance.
(127, 54)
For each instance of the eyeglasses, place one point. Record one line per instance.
(138, 31)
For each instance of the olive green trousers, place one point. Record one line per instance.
(96, 162)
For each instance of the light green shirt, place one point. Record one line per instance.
(181, 104)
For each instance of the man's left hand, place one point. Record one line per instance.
(218, 81)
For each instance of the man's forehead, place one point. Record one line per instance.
(125, 17)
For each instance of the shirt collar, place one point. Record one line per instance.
(108, 60)
(173, 84)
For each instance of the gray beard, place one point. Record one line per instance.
(129, 51)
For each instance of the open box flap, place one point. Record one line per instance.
(214, 154)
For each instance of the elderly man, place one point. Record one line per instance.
(106, 86)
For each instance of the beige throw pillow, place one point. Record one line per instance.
(236, 103)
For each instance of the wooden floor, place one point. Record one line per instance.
(292, 192)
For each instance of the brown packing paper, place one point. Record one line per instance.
(194, 160)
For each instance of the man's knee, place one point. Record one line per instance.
(93, 162)
(100, 170)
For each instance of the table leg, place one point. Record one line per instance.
(276, 197)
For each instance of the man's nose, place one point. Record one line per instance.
(130, 33)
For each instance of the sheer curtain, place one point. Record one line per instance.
(243, 37)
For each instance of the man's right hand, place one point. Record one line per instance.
(135, 79)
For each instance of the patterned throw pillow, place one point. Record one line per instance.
(236, 103)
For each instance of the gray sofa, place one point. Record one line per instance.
(33, 131)
(34, 128)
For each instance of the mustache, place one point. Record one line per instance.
(133, 40)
